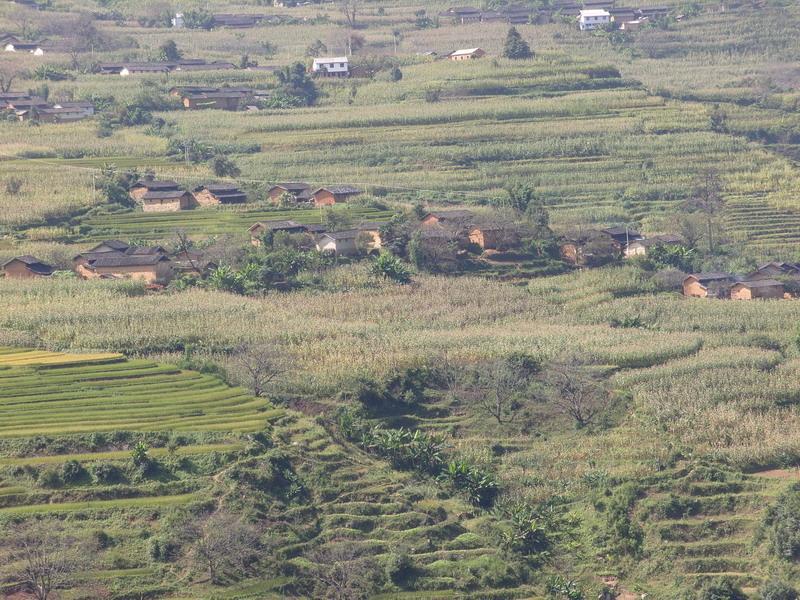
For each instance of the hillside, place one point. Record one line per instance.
(408, 388)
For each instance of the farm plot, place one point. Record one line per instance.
(40, 399)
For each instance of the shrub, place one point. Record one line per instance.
(783, 524)
(723, 588)
(515, 47)
(400, 567)
(388, 266)
(106, 473)
(50, 478)
(72, 471)
(775, 589)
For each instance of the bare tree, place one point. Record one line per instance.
(707, 200)
(575, 392)
(259, 365)
(349, 8)
(501, 389)
(339, 573)
(48, 558)
(226, 546)
(7, 80)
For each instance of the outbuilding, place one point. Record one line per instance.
(468, 54)
(751, 290)
(27, 267)
(708, 285)
(300, 191)
(219, 193)
(328, 196)
(167, 201)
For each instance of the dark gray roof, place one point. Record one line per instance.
(279, 225)
(156, 185)
(760, 283)
(164, 195)
(339, 189)
(117, 259)
(292, 186)
(114, 244)
(711, 276)
(33, 263)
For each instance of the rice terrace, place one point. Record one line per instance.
(391, 299)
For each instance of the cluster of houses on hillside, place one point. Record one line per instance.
(12, 43)
(515, 14)
(233, 20)
(763, 282)
(34, 108)
(114, 259)
(126, 69)
(222, 98)
(590, 14)
(156, 195)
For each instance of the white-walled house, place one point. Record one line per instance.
(338, 66)
(33, 48)
(593, 18)
(178, 21)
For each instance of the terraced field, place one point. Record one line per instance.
(48, 398)
(155, 226)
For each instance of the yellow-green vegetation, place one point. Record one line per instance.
(653, 442)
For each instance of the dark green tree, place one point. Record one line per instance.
(224, 166)
(168, 52)
(295, 82)
(515, 47)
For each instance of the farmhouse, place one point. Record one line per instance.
(167, 201)
(27, 267)
(708, 285)
(751, 290)
(331, 67)
(771, 270)
(447, 217)
(220, 100)
(371, 234)
(340, 243)
(218, 193)
(493, 236)
(300, 191)
(146, 69)
(328, 196)
(467, 54)
(116, 259)
(109, 246)
(622, 236)
(258, 230)
(141, 187)
(642, 246)
(463, 14)
(593, 18)
(86, 107)
(114, 265)
(13, 44)
(192, 262)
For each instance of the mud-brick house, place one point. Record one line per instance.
(340, 243)
(467, 54)
(300, 191)
(220, 99)
(622, 236)
(117, 265)
(167, 201)
(643, 246)
(771, 270)
(27, 267)
(141, 187)
(214, 194)
(257, 230)
(494, 236)
(371, 235)
(451, 218)
(335, 194)
(752, 290)
(109, 246)
(708, 285)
